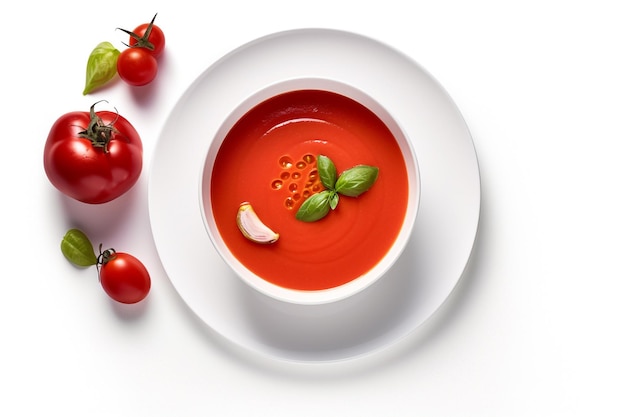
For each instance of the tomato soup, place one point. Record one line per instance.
(268, 158)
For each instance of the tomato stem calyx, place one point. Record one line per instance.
(104, 257)
(97, 132)
(142, 41)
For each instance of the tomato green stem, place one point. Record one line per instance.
(104, 257)
(97, 132)
(142, 41)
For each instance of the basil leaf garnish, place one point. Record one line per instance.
(101, 66)
(352, 183)
(355, 181)
(77, 248)
(315, 207)
(327, 171)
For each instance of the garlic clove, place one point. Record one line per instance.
(252, 227)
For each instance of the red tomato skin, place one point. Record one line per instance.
(137, 66)
(156, 38)
(86, 173)
(125, 279)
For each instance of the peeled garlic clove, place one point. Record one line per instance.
(252, 227)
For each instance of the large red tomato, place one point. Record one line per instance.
(93, 157)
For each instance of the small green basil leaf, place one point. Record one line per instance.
(78, 249)
(327, 172)
(355, 181)
(315, 207)
(333, 200)
(101, 66)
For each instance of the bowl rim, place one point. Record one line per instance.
(355, 286)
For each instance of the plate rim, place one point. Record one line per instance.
(164, 249)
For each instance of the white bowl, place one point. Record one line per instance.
(382, 266)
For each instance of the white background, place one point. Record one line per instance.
(535, 327)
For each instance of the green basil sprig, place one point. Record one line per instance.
(77, 248)
(101, 66)
(351, 183)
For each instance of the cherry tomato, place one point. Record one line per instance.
(153, 43)
(137, 66)
(123, 277)
(93, 157)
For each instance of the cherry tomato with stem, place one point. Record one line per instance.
(123, 277)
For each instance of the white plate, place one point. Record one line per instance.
(435, 257)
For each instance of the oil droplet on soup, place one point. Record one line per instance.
(285, 162)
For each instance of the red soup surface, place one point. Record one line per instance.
(268, 159)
